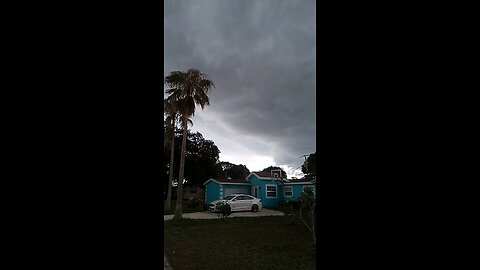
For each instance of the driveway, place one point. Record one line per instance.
(208, 215)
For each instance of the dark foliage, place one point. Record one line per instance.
(200, 158)
(269, 169)
(193, 203)
(234, 171)
(309, 168)
(224, 209)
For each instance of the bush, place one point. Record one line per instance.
(308, 202)
(294, 204)
(304, 209)
(293, 207)
(224, 209)
(193, 203)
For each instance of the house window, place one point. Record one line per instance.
(288, 191)
(271, 191)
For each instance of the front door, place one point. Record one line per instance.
(255, 192)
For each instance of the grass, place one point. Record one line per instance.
(185, 208)
(239, 243)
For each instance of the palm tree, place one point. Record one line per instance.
(170, 110)
(188, 90)
(172, 116)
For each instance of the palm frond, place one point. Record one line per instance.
(188, 90)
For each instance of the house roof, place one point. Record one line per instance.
(298, 180)
(268, 174)
(301, 181)
(228, 181)
(223, 180)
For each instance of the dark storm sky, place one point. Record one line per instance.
(261, 56)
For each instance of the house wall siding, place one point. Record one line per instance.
(297, 192)
(212, 191)
(215, 191)
(262, 193)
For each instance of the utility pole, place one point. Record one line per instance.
(305, 161)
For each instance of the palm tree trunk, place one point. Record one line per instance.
(170, 171)
(314, 232)
(178, 207)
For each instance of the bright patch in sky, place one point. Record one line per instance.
(253, 163)
(233, 151)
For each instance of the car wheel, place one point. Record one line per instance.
(254, 208)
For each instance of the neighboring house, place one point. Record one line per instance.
(271, 187)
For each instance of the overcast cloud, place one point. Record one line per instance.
(261, 56)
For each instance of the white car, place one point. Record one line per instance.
(239, 202)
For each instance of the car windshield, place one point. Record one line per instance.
(228, 197)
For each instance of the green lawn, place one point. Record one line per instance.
(185, 208)
(239, 243)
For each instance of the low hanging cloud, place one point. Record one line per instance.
(261, 57)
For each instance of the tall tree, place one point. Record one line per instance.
(188, 89)
(309, 167)
(226, 169)
(238, 172)
(171, 113)
(270, 168)
(201, 158)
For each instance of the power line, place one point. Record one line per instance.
(304, 156)
(305, 162)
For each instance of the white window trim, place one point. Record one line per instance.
(266, 192)
(285, 191)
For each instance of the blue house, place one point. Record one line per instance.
(273, 188)
(217, 189)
